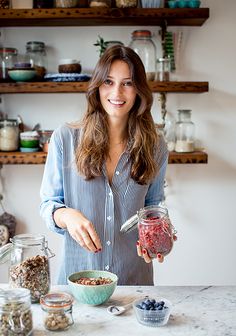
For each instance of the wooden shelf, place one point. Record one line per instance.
(59, 87)
(103, 17)
(40, 158)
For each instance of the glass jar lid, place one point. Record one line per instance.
(35, 45)
(142, 33)
(26, 240)
(56, 300)
(8, 51)
(13, 295)
(8, 122)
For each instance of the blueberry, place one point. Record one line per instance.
(161, 303)
(153, 301)
(143, 305)
(160, 307)
(157, 305)
(147, 302)
(139, 306)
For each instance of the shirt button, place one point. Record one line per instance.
(108, 242)
(109, 218)
(117, 172)
(107, 267)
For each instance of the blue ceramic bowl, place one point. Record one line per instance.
(92, 294)
(194, 3)
(21, 75)
(182, 3)
(172, 4)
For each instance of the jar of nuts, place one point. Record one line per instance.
(57, 308)
(29, 263)
(15, 312)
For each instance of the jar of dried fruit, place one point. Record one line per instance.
(36, 52)
(29, 263)
(57, 311)
(15, 312)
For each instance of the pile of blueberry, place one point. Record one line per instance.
(152, 304)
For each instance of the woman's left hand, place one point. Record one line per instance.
(143, 253)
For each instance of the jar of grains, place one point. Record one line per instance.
(126, 3)
(37, 55)
(57, 311)
(9, 135)
(185, 132)
(15, 312)
(29, 263)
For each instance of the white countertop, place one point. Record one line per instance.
(197, 311)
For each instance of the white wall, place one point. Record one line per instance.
(201, 198)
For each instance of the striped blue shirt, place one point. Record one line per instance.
(106, 206)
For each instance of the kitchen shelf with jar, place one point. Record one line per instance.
(100, 16)
(81, 87)
(40, 158)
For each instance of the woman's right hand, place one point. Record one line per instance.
(79, 227)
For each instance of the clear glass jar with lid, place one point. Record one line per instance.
(185, 132)
(36, 52)
(9, 135)
(29, 263)
(57, 308)
(163, 68)
(144, 46)
(15, 312)
(7, 61)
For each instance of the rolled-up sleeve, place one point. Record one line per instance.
(51, 191)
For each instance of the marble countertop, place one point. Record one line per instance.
(197, 311)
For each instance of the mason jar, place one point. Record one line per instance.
(7, 61)
(36, 52)
(9, 135)
(29, 264)
(143, 45)
(163, 68)
(57, 311)
(155, 230)
(15, 312)
(185, 132)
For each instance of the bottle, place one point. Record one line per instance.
(184, 131)
(7, 61)
(9, 135)
(164, 67)
(38, 57)
(169, 131)
(29, 263)
(143, 45)
(57, 311)
(15, 312)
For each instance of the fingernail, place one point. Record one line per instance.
(144, 251)
(159, 255)
(137, 243)
(99, 250)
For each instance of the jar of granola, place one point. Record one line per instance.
(15, 312)
(57, 311)
(29, 263)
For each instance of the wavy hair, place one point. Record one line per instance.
(93, 147)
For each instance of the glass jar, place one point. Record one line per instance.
(100, 3)
(22, 4)
(57, 311)
(163, 69)
(15, 312)
(29, 263)
(7, 60)
(185, 132)
(169, 131)
(9, 135)
(126, 3)
(45, 139)
(38, 57)
(43, 3)
(143, 45)
(66, 3)
(4, 4)
(155, 230)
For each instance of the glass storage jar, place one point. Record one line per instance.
(169, 131)
(143, 45)
(185, 132)
(15, 312)
(126, 3)
(29, 263)
(36, 52)
(100, 3)
(9, 135)
(163, 69)
(4, 4)
(57, 311)
(66, 3)
(7, 61)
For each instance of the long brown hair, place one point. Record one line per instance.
(93, 146)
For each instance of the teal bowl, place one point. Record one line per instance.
(29, 143)
(92, 294)
(21, 75)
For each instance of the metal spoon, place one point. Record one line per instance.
(118, 310)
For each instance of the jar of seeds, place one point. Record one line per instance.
(29, 264)
(57, 308)
(15, 312)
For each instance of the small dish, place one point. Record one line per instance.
(152, 312)
(194, 3)
(172, 4)
(21, 75)
(182, 3)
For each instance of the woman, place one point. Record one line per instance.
(101, 171)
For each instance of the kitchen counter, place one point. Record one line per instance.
(197, 311)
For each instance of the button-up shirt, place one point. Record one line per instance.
(106, 205)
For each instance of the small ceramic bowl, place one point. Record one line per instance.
(29, 139)
(151, 314)
(194, 3)
(22, 75)
(172, 4)
(92, 294)
(182, 3)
